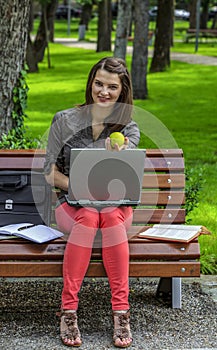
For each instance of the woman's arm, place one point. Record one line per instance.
(57, 179)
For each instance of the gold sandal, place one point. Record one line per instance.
(122, 329)
(69, 331)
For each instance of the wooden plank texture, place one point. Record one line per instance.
(139, 249)
(162, 198)
(176, 152)
(154, 216)
(163, 181)
(137, 269)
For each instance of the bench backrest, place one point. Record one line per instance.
(163, 192)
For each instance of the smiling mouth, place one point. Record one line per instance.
(103, 99)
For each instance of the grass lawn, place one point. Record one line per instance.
(183, 99)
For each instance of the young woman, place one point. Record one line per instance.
(108, 108)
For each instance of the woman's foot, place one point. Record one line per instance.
(122, 337)
(69, 332)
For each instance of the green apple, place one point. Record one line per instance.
(117, 137)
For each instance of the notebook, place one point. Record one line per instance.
(101, 178)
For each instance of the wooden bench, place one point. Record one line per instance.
(203, 33)
(163, 196)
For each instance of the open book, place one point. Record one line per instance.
(35, 233)
(179, 233)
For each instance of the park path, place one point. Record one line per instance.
(178, 56)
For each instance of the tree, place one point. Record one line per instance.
(36, 49)
(104, 26)
(163, 38)
(140, 49)
(204, 14)
(86, 14)
(192, 9)
(123, 27)
(14, 19)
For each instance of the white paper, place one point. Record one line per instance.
(13, 228)
(172, 232)
(35, 233)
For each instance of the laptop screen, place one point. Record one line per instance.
(101, 175)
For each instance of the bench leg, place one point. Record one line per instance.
(176, 292)
(170, 288)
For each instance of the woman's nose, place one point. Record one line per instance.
(104, 90)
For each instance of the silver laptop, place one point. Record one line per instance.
(101, 178)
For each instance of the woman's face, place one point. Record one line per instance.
(106, 88)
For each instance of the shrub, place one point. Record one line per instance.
(16, 138)
(194, 182)
(12, 141)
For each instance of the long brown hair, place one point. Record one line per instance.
(125, 100)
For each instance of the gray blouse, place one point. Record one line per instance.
(70, 129)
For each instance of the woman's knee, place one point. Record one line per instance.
(110, 217)
(88, 217)
(67, 216)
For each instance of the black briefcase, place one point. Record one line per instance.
(25, 196)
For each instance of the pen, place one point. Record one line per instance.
(25, 227)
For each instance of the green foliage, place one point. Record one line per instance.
(11, 141)
(208, 264)
(16, 137)
(20, 93)
(194, 183)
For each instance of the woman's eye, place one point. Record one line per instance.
(113, 87)
(98, 83)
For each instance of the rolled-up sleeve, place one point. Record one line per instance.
(131, 131)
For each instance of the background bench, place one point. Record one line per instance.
(203, 33)
(163, 196)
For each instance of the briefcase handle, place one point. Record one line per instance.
(11, 184)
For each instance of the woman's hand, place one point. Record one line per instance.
(57, 179)
(116, 146)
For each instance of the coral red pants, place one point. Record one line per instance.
(82, 224)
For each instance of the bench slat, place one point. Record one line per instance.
(164, 181)
(176, 152)
(152, 269)
(162, 198)
(138, 250)
(156, 164)
(153, 216)
(164, 164)
(137, 269)
(163, 216)
(25, 163)
(170, 197)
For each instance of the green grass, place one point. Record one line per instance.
(182, 98)
(205, 47)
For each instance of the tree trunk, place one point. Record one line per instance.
(86, 15)
(161, 57)
(172, 24)
(51, 10)
(31, 56)
(192, 9)
(14, 21)
(140, 50)
(204, 14)
(35, 50)
(123, 27)
(104, 26)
